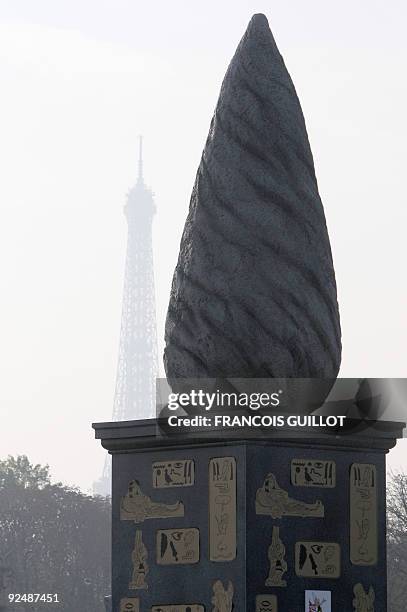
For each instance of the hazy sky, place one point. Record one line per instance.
(80, 80)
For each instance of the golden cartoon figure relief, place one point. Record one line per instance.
(140, 565)
(363, 601)
(180, 473)
(222, 509)
(313, 473)
(278, 565)
(177, 546)
(136, 506)
(273, 501)
(222, 599)
(363, 514)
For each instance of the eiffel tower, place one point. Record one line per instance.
(137, 367)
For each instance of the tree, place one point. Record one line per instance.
(53, 538)
(397, 541)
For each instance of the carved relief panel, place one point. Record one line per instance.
(273, 501)
(222, 509)
(130, 604)
(136, 506)
(313, 473)
(317, 559)
(180, 473)
(363, 514)
(222, 599)
(140, 565)
(177, 546)
(266, 603)
(278, 565)
(363, 601)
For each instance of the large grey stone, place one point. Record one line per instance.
(254, 291)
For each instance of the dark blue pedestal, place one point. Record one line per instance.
(164, 557)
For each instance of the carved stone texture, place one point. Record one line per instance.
(318, 559)
(137, 507)
(266, 603)
(130, 604)
(140, 565)
(177, 546)
(180, 473)
(222, 509)
(363, 514)
(273, 501)
(363, 602)
(254, 292)
(222, 599)
(278, 565)
(313, 473)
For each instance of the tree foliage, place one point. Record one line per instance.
(53, 538)
(397, 541)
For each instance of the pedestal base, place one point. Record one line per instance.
(260, 525)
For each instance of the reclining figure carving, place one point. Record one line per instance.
(272, 500)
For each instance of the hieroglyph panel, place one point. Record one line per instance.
(266, 603)
(222, 509)
(177, 546)
(173, 473)
(313, 473)
(318, 559)
(363, 514)
(130, 604)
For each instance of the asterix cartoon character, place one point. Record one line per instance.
(278, 565)
(140, 566)
(222, 599)
(363, 602)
